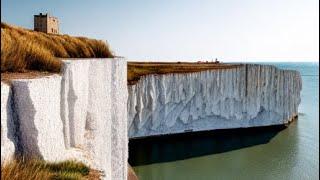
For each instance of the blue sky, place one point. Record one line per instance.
(230, 30)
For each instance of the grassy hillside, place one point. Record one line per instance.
(23, 49)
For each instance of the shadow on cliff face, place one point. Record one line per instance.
(13, 133)
(27, 145)
(183, 146)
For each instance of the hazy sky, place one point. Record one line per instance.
(231, 30)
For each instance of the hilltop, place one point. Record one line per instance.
(23, 50)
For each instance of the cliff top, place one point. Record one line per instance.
(23, 49)
(138, 69)
(7, 77)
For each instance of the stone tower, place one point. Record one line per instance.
(46, 23)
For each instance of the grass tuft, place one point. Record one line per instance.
(35, 169)
(68, 166)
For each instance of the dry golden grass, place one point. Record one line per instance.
(41, 170)
(138, 69)
(23, 49)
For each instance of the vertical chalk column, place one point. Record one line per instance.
(8, 128)
(74, 91)
(64, 105)
(37, 104)
(119, 138)
(98, 120)
(94, 102)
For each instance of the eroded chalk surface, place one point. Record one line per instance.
(245, 96)
(80, 114)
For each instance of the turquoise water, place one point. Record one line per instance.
(290, 153)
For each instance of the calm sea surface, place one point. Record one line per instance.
(277, 153)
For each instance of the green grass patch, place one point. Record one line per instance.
(38, 170)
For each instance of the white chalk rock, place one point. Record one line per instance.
(246, 96)
(8, 129)
(75, 89)
(80, 115)
(37, 104)
(119, 137)
(98, 128)
(96, 110)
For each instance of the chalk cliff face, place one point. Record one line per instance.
(94, 116)
(37, 106)
(80, 114)
(245, 96)
(8, 129)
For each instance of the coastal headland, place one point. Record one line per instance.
(85, 103)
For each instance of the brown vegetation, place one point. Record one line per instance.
(23, 49)
(138, 69)
(7, 77)
(36, 169)
(39, 170)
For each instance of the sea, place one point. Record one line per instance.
(280, 153)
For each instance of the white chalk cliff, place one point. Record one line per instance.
(88, 112)
(245, 96)
(80, 114)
